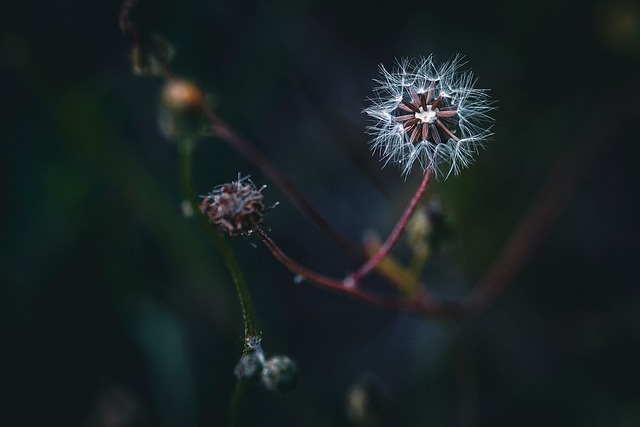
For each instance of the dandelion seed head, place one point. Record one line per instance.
(430, 114)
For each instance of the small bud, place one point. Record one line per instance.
(253, 343)
(280, 374)
(234, 208)
(249, 367)
(182, 109)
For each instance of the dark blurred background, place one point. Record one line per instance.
(116, 311)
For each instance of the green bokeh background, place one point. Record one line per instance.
(116, 311)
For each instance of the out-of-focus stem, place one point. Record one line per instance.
(554, 196)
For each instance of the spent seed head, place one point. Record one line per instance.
(430, 114)
(234, 208)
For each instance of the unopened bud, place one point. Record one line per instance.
(280, 374)
(182, 109)
(249, 367)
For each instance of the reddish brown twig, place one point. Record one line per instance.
(391, 241)
(553, 198)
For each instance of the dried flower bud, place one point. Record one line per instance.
(251, 363)
(182, 109)
(280, 374)
(253, 344)
(234, 208)
(249, 367)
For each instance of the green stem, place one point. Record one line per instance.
(186, 146)
(236, 398)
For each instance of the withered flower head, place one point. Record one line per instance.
(234, 208)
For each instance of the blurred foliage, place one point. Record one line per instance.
(115, 310)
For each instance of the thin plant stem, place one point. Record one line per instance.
(421, 303)
(391, 241)
(186, 146)
(236, 399)
(303, 272)
(552, 200)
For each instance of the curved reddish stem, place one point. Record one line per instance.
(420, 304)
(391, 241)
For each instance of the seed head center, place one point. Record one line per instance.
(427, 116)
